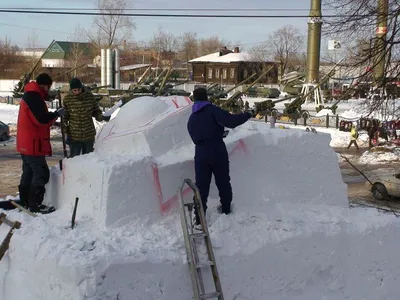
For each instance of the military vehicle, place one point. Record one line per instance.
(262, 92)
(19, 87)
(293, 109)
(293, 82)
(235, 102)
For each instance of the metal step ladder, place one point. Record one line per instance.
(191, 239)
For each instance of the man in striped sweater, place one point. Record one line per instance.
(80, 108)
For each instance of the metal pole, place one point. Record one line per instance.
(380, 43)
(314, 42)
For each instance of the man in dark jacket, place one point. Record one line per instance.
(80, 108)
(206, 128)
(33, 142)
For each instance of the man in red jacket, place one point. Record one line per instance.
(33, 142)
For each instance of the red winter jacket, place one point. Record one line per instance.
(34, 122)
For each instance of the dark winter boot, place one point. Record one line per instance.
(23, 195)
(36, 196)
(224, 209)
(196, 220)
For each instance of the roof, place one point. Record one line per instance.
(60, 49)
(134, 67)
(227, 58)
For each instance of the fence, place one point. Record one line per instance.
(328, 121)
(15, 101)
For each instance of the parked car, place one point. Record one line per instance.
(385, 184)
(4, 131)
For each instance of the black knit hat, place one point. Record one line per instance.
(200, 94)
(44, 79)
(75, 83)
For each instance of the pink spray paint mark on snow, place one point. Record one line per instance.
(167, 205)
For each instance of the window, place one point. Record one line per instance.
(217, 73)
(232, 75)
(224, 73)
(210, 73)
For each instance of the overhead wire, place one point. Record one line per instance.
(160, 9)
(59, 12)
(39, 29)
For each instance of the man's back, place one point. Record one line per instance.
(207, 122)
(79, 112)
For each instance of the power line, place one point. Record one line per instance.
(160, 9)
(39, 29)
(161, 15)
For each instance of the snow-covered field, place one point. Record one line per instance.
(291, 236)
(9, 113)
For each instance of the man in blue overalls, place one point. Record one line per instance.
(206, 127)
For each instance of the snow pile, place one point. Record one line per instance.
(339, 139)
(389, 154)
(324, 112)
(351, 114)
(291, 234)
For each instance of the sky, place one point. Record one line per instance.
(241, 32)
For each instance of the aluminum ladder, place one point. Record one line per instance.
(191, 238)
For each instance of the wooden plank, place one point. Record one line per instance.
(23, 209)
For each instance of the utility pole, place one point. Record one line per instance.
(314, 42)
(313, 51)
(380, 43)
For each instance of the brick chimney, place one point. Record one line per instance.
(236, 50)
(224, 51)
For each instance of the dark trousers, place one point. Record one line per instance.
(353, 142)
(78, 148)
(35, 171)
(35, 175)
(213, 159)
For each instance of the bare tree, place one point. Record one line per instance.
(79, 52)
(112, 30)
(285, 45)
(166, 46)
(33, 48)
(260, 52)
(164, 41)
(188, 46)
(211, 45)
(356, 25)
(12, 65)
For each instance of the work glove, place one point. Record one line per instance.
(252, 113)
(60, 112)
(106, 118)
(225, 134)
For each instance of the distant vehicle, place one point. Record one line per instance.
(4, 131)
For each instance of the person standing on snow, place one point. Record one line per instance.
(80, 108)
(33, 142)
(354, 136)
(206, 129)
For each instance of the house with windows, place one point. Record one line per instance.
(231, 67)
(67, 54)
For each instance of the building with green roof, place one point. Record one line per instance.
(65, 54)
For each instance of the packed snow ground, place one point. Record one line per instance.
(291, 235)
